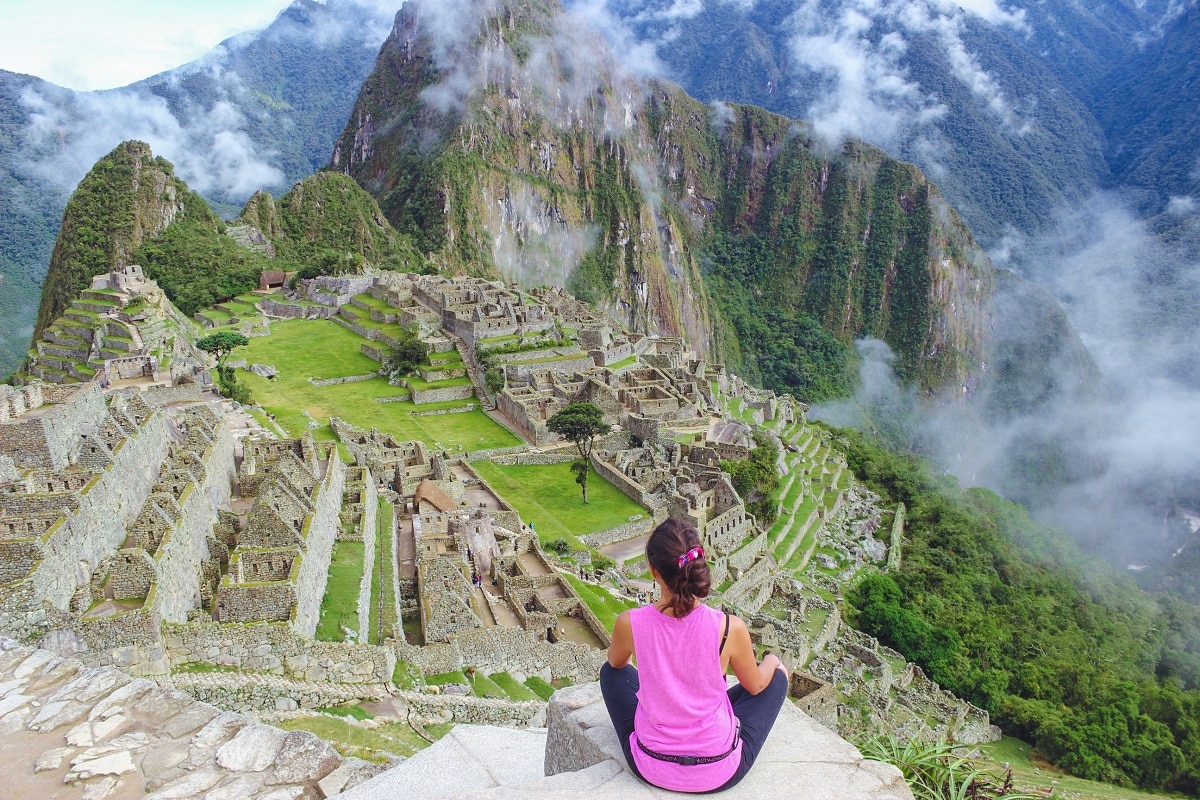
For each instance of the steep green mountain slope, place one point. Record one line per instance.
(132, 208)
(515, 145)
(29, 213)
(1149, 106)
(129, 196)
(1064, 651)
(262, 109)
(329, 212)
(993, 108)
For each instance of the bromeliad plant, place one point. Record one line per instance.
(939, 771)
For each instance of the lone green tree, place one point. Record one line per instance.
(220, 344)
(581, 423)
(406, 355)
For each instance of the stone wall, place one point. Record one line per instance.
(258, 693)
(744, 557)
(629, 530)
(535, 459)
(130, 574)
(52, 437)
(248, 602)
(338, 290)
(815, 697)
(589, 617)
(433, 412)
(274, 648)
(159, 396)
(644, 429)
(73, 548)
(348, 379)
(479, 455)
(442, 395)
(275, 308)
(725, 531)
(499, 649)
(829, 630)
(320, 532)
(370, 334)
(631, 489)
(184, 548)
(475, 710)
(368, 523)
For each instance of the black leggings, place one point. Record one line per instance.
(755, 712)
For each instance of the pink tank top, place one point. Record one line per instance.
(683, 708)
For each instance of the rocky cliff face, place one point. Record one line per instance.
(128, 197)
(505, 138)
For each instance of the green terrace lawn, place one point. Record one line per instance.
(340, 607)
(375, 304)
(309, 347)
(600, 601)
(549, 497)
(300, 349)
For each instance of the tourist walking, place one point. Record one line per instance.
(679, 727)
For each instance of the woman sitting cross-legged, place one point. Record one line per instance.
(679, 727)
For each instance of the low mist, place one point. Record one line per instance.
(1097, 433)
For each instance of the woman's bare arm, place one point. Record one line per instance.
(753, 677)
(621, 649)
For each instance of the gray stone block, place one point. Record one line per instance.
(470, 758)
(801, 758)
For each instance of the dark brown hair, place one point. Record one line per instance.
(690, 583)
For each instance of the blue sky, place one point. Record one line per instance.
(101, 44)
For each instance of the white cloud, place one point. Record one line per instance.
(859, 47)
(210, 148)
(1181, 206)
(99, 45)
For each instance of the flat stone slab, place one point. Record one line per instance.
(467, 760)
(578, 755)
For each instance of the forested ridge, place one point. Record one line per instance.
(1061, 649)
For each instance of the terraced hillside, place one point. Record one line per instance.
(110, 334)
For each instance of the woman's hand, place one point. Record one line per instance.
(753, 677)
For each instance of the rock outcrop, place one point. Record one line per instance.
(579, 756)
(71, 731)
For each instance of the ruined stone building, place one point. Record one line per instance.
(532, 396)
(685, 480)
(398, 465)
(279, 565)
(120, 328)
(106, 515)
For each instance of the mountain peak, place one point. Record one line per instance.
(127, 197)
(507, 140)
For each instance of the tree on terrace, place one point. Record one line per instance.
(220, 344)
(406, 355)
(581, 423)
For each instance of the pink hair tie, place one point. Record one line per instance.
(691, 555)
